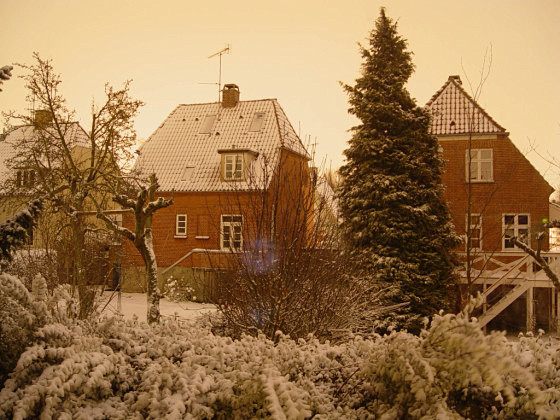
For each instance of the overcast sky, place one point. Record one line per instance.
(296, 51)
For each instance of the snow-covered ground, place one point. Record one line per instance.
(135, 304)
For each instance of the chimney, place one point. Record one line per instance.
(42, 118)
(230, 95)
(457, 79)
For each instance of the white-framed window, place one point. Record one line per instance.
(233, 166)
(180, 225)
(481, 165)
(475, 229)
(515, 225)
(231, 232)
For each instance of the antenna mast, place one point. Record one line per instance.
(220, 53)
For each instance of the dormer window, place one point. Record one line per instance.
(25, 178)
(235, 163)
(233, 167)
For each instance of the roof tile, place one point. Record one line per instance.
(178, 143)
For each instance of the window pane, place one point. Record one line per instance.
(257, 123)
(486, 170)
(523, 219)
(207, 123)
(486, 154)
(524, 235)
(509, 220)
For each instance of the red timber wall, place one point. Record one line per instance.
(517, 187)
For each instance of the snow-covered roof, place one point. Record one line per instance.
(75, 136)
(184, 151)
(454, 111)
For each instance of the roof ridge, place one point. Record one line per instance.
(217, 103)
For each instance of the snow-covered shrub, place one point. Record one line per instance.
(177, 290)
(452, 370)
(28, 263)
(20, 316)
(125, 369)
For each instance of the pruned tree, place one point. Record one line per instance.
(66, 164)
(143, 208)
(395, 219)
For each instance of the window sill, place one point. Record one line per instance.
(475, 181)
(202, 237)
(180, 236)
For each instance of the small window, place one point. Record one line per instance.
(187, 173)
(181, 225)
(474, 232)
(481, 165)
(25, 178)
(515, 225)
(257, 122)
(233, 167)
(207, 124)
(232, 232)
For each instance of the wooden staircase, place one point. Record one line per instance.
(503, 303)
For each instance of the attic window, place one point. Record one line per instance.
(207, 123)
(258, 121)
(187, 173)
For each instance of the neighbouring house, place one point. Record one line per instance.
(19, 183)
(494, 194)
(239, 177)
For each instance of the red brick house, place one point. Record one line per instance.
(238, 174)
(494, 194)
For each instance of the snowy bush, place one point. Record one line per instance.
(177, 290)
(21, 315)
(28, 263)
(124, 369)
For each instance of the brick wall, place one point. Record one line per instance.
(517, 187)
(204, 211)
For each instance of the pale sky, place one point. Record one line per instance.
(296, 51)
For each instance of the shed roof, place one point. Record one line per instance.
(183, 151)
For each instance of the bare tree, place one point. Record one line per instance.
(62, 162)
(287, 272)
(143, 208)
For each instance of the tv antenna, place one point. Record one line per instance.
(223, 51)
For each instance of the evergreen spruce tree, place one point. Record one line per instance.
(394, 217)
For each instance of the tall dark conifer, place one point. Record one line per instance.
(395, 219)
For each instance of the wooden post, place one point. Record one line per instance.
(530, 309)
